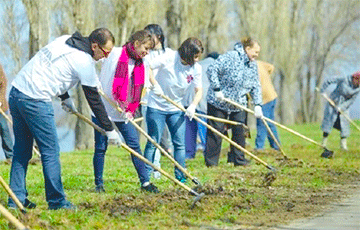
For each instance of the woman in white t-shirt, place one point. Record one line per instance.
(123, 75)
(176, 71)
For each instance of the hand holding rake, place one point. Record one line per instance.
(332, 103)
(198, 196)
(162, 150)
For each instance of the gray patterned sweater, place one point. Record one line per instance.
(344, 96)
(235, 75)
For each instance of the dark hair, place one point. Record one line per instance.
(101, 36)
(213, 55)
(248, 42)
(156, 30)
(189, 48)
(142, 36)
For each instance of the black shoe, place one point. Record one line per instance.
(244, 162)
(327, 153)
(99, 188)
(150, 188)
(67, 206)
(28, 204)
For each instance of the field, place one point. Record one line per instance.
(236, 197)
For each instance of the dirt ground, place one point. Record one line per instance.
(282, 203)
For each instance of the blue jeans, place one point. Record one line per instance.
(192, 129)
(269, 112)
(7, 142)
(131, 138)
(34, 119)
(155, 120)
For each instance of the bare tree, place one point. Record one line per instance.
(298, 36)
(13, 24)
(38, 23)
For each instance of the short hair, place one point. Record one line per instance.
(142, 36)
(213, 55)
(248, 42)
(156, 30)
(101, 36)
(189, 48)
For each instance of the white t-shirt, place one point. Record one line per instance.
(54, 70)
(174, 79)
(106, 78)
(189, 96)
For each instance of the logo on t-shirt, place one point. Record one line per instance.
(189, 78)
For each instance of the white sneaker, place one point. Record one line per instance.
(324, 141)
(157, 174)
(343, 144)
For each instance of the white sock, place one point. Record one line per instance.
(146, 184)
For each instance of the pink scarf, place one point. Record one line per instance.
(121, 79)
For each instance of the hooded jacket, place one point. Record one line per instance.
(235, 75)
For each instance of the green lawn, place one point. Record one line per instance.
(235, 196)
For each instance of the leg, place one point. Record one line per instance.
(22, 151)
(202, 131)
(131, 138)
(190, 138)
(269, 112)
(155, 121)
(39, 118)
(99, 157)
(238, 137)
(7, 142)
(213, 141)
(176, 124)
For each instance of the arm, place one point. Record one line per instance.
(255, 92)
(93, 97)
(215, 70)
(198, 96)
(329, 81)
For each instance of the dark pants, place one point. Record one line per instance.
(7, 143)
(213, 141)
(131, 137)
(34, 119)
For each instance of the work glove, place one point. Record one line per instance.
(113, 138)
(157, 90)
(258, 111)
(128, 116)
(190, 111)
(219, 95)
(68, 105)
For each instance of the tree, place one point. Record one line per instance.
(299, 37)
(38, 23)
(12, 25)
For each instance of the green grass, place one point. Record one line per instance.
(235, 195)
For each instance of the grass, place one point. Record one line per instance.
(235, 196)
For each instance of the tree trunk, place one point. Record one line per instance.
(84, 23)
(39, 24)
(173, 20)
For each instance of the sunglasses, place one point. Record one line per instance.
(106, 53)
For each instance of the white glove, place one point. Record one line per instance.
(68, 105)
(113, 138)
(190, 111)
(219, 95)
(258, 111)
(157, 90)
(127, 117)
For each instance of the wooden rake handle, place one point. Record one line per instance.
(220, 134)
(162, 150)
(11, 218)
(332, 103)
(273, 122)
